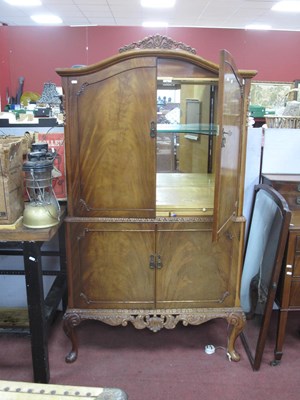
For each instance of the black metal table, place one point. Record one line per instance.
(41, 310)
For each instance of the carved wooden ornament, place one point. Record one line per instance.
(157, 42)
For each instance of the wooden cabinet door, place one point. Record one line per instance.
(110, 153)
(109, 265)
(194, 271)
(229, 143)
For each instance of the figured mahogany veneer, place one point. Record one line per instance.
(146, 247)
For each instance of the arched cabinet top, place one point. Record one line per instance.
(179, 52)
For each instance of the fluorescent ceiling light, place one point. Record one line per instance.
(287, 6)
(24, 3)
(82, 25)
(158, 3)
(155, 24)
(47, 19)
(258, 27)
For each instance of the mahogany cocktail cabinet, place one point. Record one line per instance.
(155, 155)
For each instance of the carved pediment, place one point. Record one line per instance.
(157, 42)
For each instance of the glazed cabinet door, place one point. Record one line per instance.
(229, 143)
(195, 272)
(110, 149)
(110, 265)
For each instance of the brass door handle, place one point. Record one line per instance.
(152, 261)
(159, 262)
(155, 262)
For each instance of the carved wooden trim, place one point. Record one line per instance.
(225, 294)
(155, 320)
(84, 206)
(157, 42)
(82, 88)
(138, 220)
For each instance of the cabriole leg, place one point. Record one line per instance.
(70, 321)
(237, 323)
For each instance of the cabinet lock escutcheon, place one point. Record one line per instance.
(152, 129)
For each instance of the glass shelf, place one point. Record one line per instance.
(200, 129)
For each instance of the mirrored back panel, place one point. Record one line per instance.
(186, 133)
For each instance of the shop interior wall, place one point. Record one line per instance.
(35, 52)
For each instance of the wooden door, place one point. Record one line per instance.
(110, 153)
(229, 143)
(194, 271)
(109, 265)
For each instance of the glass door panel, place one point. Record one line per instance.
(229, 146)
(186, 133)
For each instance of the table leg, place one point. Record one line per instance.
(36, 310)
(281, 328)
(63, 262)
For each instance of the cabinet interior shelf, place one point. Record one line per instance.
(201, 129)
(184, 194)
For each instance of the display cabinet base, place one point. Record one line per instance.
(155, 320)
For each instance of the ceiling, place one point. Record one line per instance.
(234, 14)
